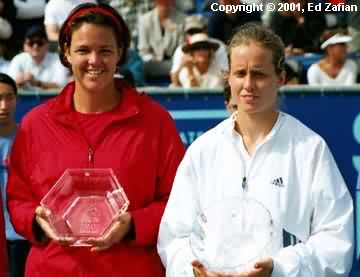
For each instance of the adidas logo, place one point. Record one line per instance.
(278, 182)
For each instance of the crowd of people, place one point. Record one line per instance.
(160, 28)
(99, 120)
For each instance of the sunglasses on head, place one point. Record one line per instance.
(39, 42)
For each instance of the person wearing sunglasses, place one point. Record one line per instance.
(36, 67)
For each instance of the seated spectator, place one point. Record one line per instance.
(56, 11)
(354, 27)
(195, 24)
(202, 72)
(4, 270)
(160, 32)
(7, 24)
(222, 25)
(133, 69)
(335, 68)
(299, 31)
(4, 63)
(28, 13)
(130, 12)
(36, 67)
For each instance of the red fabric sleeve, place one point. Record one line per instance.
(21, 200)
(171, 151)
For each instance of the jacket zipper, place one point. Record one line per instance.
(244, 183)
(90, 157)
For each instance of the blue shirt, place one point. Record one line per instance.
(5, 146)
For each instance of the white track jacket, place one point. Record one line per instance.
(294, 166)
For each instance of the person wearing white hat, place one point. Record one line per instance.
(202, 71)
(195, 24)
(334, 68)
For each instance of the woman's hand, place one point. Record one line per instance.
(41, 217)
(262, 268)
(118, 230)
(200, 270)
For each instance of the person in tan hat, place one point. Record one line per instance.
(334, 68)
(201, 71)
(195, 24)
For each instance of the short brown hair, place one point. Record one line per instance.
(98, 14)
(252, 32)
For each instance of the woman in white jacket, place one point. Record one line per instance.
(265, 155)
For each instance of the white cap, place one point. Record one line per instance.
(336, 39)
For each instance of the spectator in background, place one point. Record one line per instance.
(160, 32)
(4, 271)
(222, 25)
(202, 72)
(4, 63)
(36, 67)
(354, 26)
(7, 29)
(17, 247)
(195, 24)
(299, 31)
(335, 68)
(133, 69)
(56, 11)
(131, 10)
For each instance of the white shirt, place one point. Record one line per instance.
(220, 56)
(50, 70)
(56, 11)
(346, 76)
(310, 202)
(213, 78)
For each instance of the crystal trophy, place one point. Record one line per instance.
(83, 203)
(232, 234)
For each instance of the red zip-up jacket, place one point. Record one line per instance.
(138, 140)
(3, 250)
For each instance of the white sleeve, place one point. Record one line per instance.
(176, 60)
(5, 28)
(313, 77)
(144, 47)
(328, 251)
(177, 222)
(15, 66)
(29, 9)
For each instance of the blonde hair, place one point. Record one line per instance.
(255, 33)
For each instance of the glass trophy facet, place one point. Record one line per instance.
(230, 235)
(83, 203)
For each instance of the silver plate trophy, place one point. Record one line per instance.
(232, 234)
(83, 203)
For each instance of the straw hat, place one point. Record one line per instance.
(200, 40)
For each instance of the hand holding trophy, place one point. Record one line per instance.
(85, 207)
(232, 238)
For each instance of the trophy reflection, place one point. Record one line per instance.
(232, 234)
(83, 203)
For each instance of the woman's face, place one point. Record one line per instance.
(201, 56)
(253, 80)
(338, 51)
(7, 103)
(93, 56)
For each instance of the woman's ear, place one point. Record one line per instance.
(67, 53)
(226, 77)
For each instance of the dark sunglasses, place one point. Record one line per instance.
(39, 42)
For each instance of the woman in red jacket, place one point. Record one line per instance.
(95, 122)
